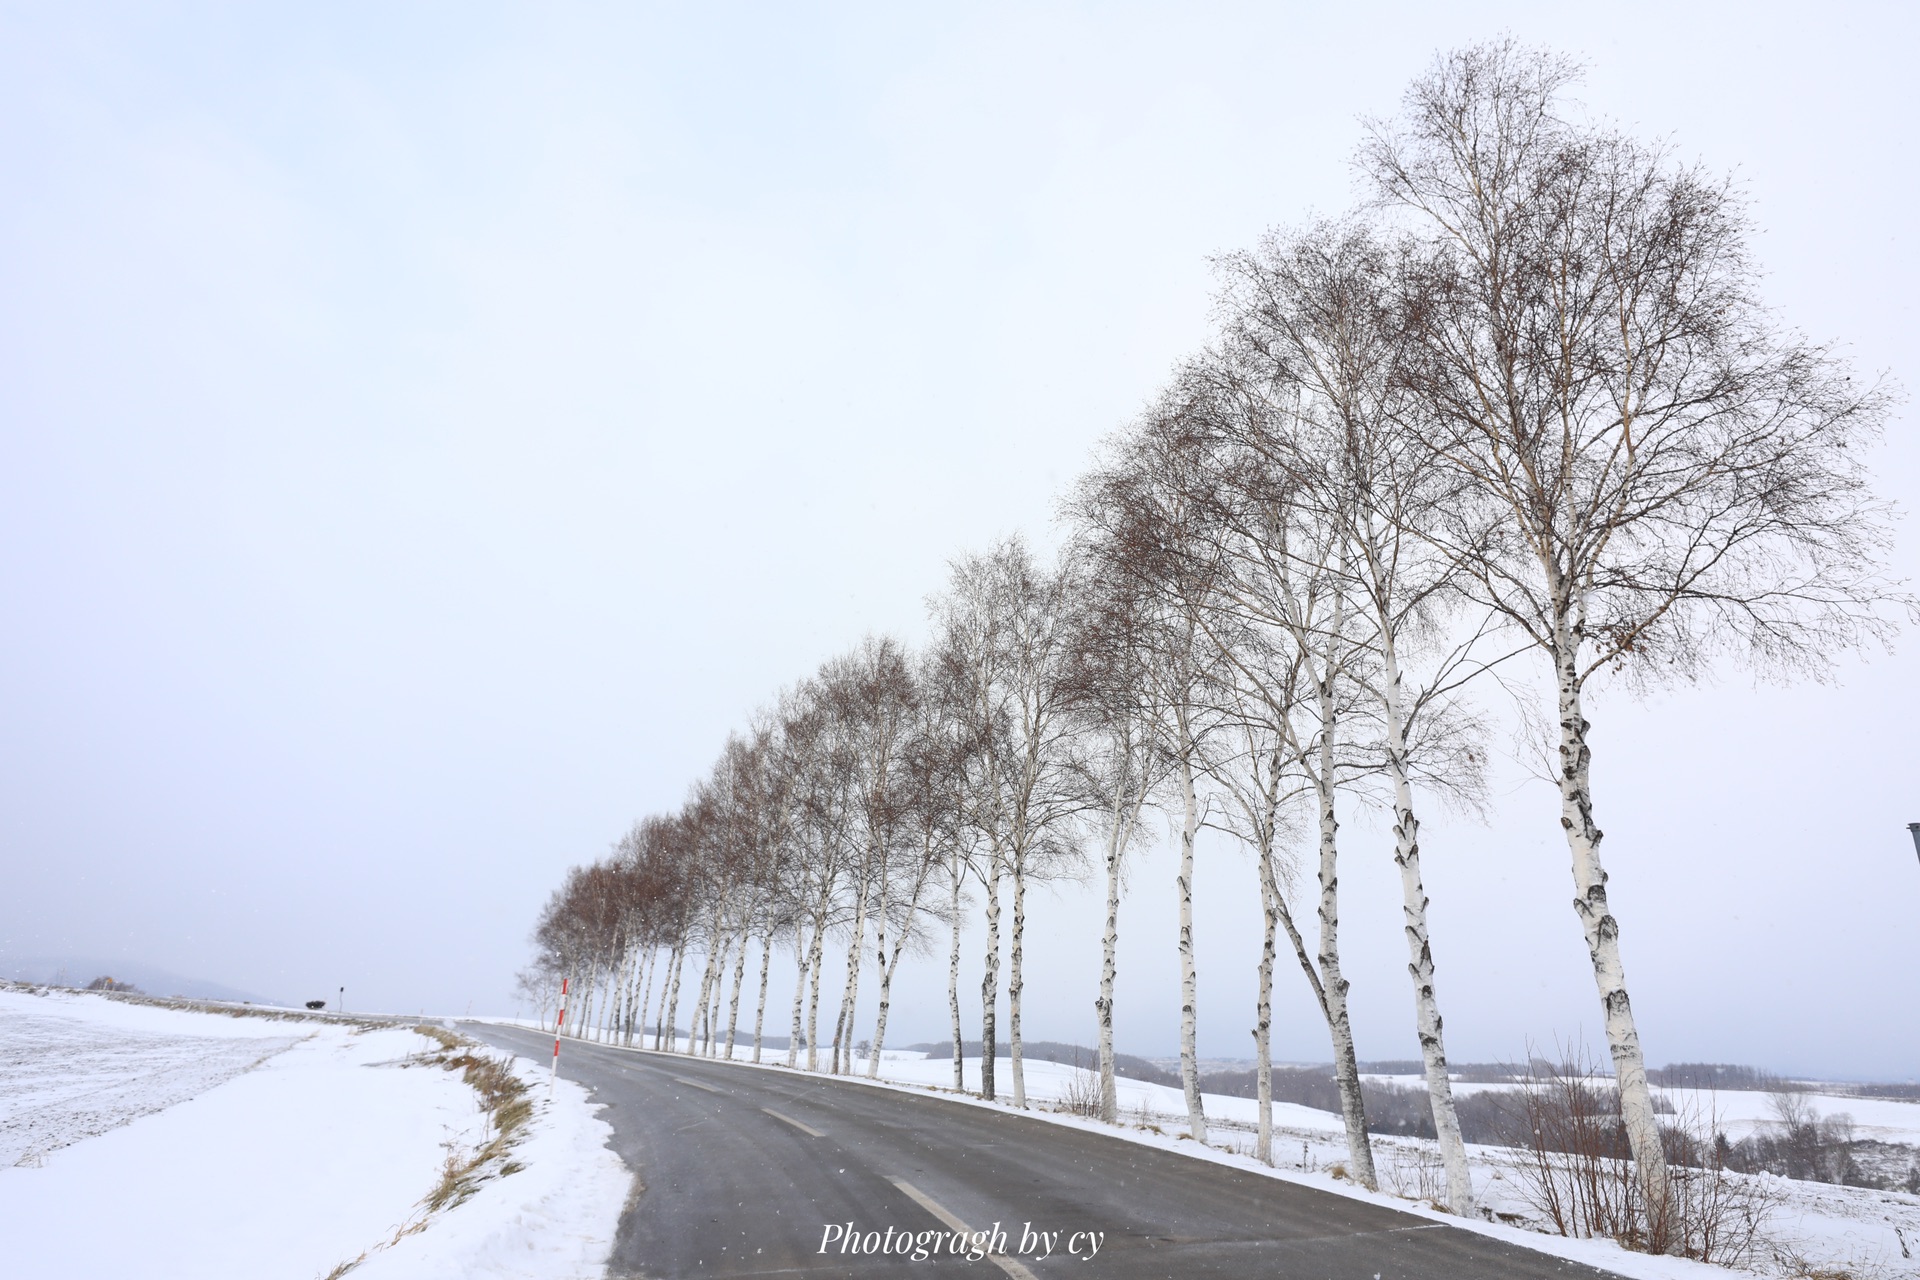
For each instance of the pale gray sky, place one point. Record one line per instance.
(426, 430)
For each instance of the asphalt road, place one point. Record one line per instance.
(748, 1172)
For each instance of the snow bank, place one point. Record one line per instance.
(553, 1219)
(283, 1158)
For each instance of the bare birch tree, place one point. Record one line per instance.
(1314, 322)
(1124, 767)
(927, 809)
(1005, 642)
(1277, 616)
(1661, 472)
(1143, 508)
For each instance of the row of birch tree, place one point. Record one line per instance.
(1517, 426)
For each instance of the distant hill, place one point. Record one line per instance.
(73, 971)
(1072, 1055)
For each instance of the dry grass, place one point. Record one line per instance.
(504, 1099)
(1576, 1171)
(1082, 1095)
(1798, 1266)
(446, 1039)
(1416, 1174)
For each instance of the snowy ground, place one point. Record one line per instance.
(70, 1078)
(1818, 1230)
(146, 1141)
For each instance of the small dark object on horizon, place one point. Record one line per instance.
(110, 984)
(316, 1004)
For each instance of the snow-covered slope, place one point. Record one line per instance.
(161, 1143)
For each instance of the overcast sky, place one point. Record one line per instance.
(427, 430)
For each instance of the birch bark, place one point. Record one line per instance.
(958, 869)
(1270, 908)
(700, 1026)
(739, 977)
(1189, 971)
(585, 1030)
(990, 984)
(671, 1030)
(1602, 933)
(1346, 1067)
(799, 997)
(660, 1013)
(646, 993)
(703, 1011)
(888, 963)
(1015, 981)
(886, 1004)
(849, 1000)
(1109, 945)
(629, 993)
(760, 1007)
(814, 957)
(1420, 967)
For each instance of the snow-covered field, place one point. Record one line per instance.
(147, 1141)
(1817, 1229)
(70, 1078)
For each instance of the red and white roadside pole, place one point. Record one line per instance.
(558, 1024)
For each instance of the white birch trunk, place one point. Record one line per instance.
(739, 979)
(760, 1008)
(1263, 1011)
(583, 1015)
(953, 980)
(616, 997)
(849, 999)
(1420, 966)
(642, 970)
(711, 1044)
(1014, 981)
(1603, 936)
(630, 995)
(990, 984)
(643, 996)
(636, 1022)
(888, 964)
(1346, 1067)
(593, 1004)
(700, 1026)
(1189, 971)
(799, 998)
(814, 958)
(880, 1020)
(660, 1012)
(1109, 945)
(673, 1000)
(646, 992)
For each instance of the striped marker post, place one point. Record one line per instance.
(559, 1023)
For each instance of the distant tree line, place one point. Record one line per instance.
(1519, 423)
